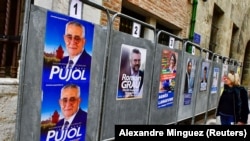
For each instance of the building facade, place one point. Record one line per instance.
(222, 26)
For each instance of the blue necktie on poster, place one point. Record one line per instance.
(66, 124)
(70, 64)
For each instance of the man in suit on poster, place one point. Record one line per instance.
(74, 39)
(203, 84)
(73, 116)
(204, 78)
(189, 82)
(136, 73)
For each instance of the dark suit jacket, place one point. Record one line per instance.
(141, 74)
(81, 117)
(80, 120)
(83, 61)
(186, 84)
(204, 80)
(121, 93)
(189, 84)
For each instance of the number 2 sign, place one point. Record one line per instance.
(75, 9)
(136, 29)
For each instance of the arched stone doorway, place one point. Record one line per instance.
(246, 67)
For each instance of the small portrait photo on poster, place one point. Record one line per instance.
(204, 76)
(189, 80)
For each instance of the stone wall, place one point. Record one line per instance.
(8, 106)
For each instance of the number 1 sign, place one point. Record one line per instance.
(75, 9)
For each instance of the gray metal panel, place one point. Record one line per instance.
(232, 67)
(202, 96)
(30, 81)
(32, 62)
(96, 83)
(213, 98)
(224, 71)
(133, 111)
(185, 111)
(166, 115)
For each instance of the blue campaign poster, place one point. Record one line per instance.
(65, 86)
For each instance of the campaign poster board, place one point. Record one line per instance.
(56, 74)
(131, 75)
(167, 78)
(189, 80)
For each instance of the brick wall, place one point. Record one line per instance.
(173, 14)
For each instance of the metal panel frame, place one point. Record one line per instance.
(212, 101)
(170, 113)
(125, 111)
(31, 76)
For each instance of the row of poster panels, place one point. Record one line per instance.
(66, 88)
